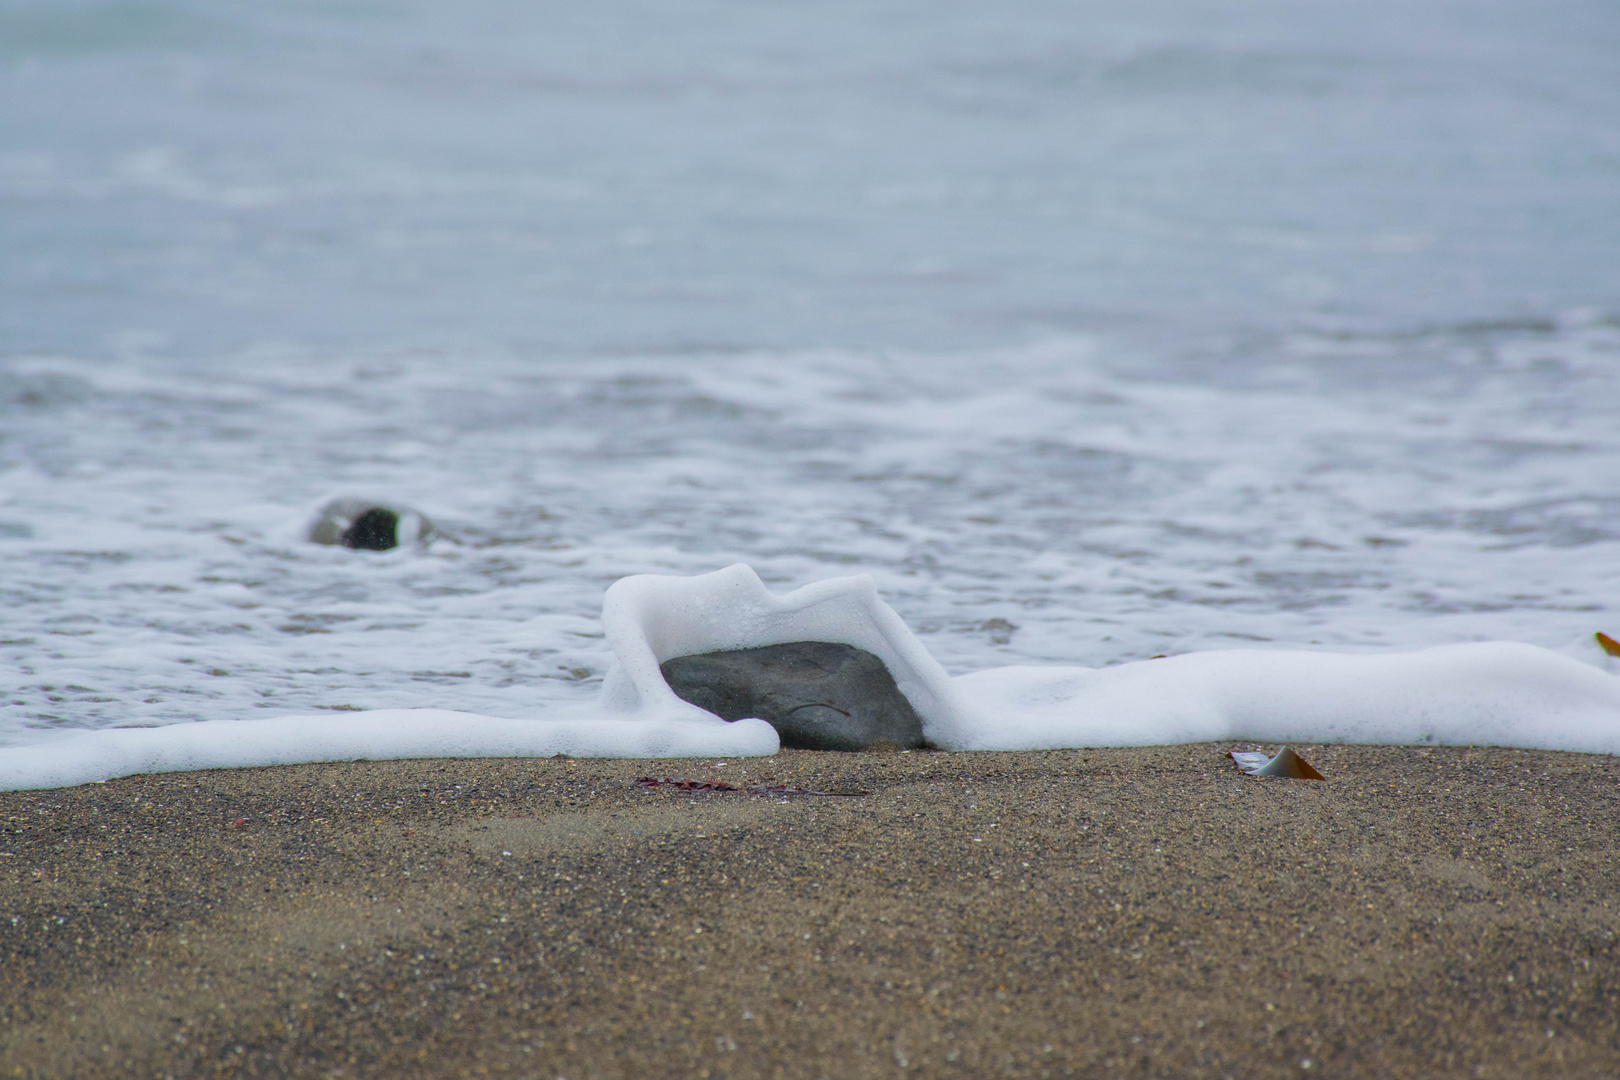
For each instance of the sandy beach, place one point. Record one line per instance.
(1093, 913)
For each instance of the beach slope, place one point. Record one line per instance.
(1131, 912)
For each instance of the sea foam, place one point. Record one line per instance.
(1489, 693)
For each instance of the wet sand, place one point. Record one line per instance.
(1096, 913)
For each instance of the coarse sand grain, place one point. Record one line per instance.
(1091, 913)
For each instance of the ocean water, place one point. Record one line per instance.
(1093, 331)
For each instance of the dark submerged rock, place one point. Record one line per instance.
(362, 525)
(375, 530)
(816, 694)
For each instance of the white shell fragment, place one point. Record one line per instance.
(1284, 764)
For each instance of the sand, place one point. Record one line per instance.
(1095, 913)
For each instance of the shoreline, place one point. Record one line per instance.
(1426, 912)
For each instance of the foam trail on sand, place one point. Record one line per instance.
(381, 735)
(1485, 694)
(1490, 693)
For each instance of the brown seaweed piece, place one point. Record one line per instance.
(1285, 763)
(1609, 645)
(685, 785)
(723, 788)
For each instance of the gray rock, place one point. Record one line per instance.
(817, 695)
(368, 526)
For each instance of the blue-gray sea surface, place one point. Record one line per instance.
(1092, 330)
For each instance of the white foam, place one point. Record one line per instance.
(379, 735)
(1490, 693)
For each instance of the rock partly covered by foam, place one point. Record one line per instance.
(1482, 693)
(368, 526)
(816, 694)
